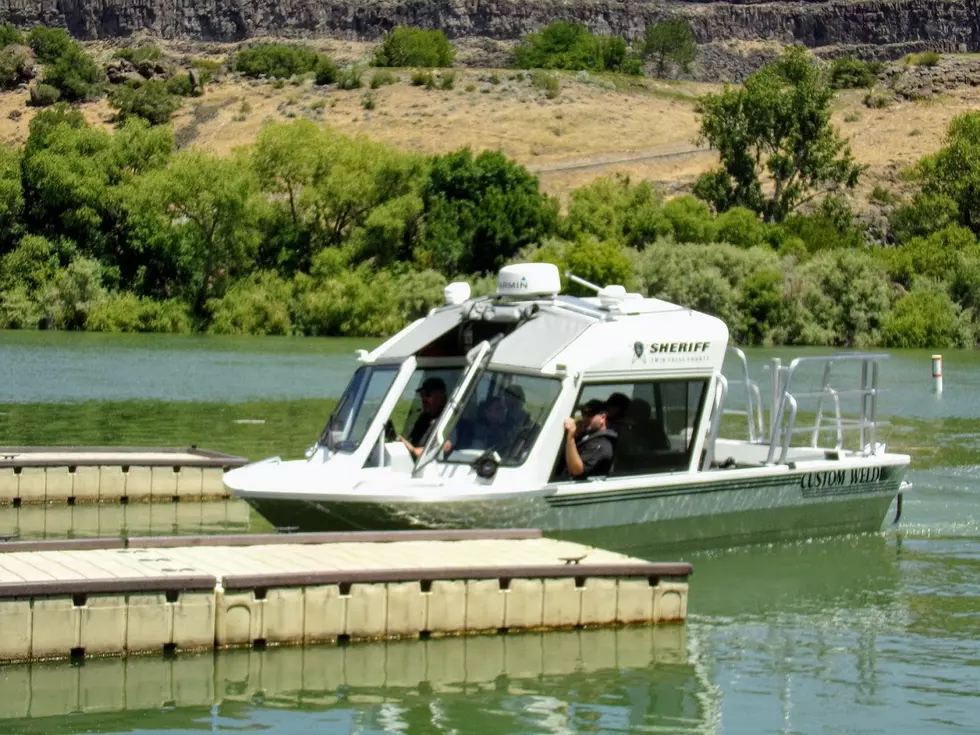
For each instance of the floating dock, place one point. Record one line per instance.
(112, 474)
(89, 597)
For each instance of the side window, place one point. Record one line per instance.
(655, 423)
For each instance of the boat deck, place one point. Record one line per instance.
(116, 596)
(111, 474)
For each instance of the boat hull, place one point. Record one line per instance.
(710, 513)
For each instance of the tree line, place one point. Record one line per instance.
(311, 232)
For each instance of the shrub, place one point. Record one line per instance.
(180, 85)
(690, 219)
(611, 208)
(565, 45)
(740, 226)
(423, 78)
(16, 66)
(149, 100)
(410, 46)
(43, 95)
(382, 77)
(75, 74)
(549, 83)
(9, 35)
(206, 68)
(276, 61)
(326, 71)
(848, 72)
(925, 58)
(927, 318)
(257, 305)
(447, 80)
(603, 263)
(369, 100)
(881, 195)
(127, 312)
(877, 100)
(146, 52)
(49, 44)
(349, 78)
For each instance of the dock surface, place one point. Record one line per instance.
(111, 474)
(113, 596)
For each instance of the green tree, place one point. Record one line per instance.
(410, 46)
(670, 42)
(9, 35)
(259, 304)
(479, 211)
(204, 210)
(952, 175)
(603, 263)
(778, 127)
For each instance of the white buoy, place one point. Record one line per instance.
(937, 373)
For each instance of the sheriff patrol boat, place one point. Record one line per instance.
(703, 455)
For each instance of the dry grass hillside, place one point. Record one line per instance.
(594, 126)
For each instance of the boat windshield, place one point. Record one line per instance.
(357, 408)
(502, 412)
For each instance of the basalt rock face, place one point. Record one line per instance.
(945, 25)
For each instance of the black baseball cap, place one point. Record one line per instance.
(432, 384)
(593, 407)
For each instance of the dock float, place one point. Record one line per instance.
(112, 474)
(93, 597)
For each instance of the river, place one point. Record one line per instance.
(878, 633)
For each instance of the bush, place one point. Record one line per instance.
(43, 95)
(844, 297)
(602, 263)
(690, 219)
(146, 52)
(447, 80)
(275, 61)
(881, 195)
(848, 72)
(76, 75)
(926, 58)
(877, 100)
(16, 66)
(349, 78)
(369, 100)
(611, 208)
(927, 319)
(149, 100)
(382, 77)
(410, 46)
(423, 78)
(740, 226)
(180, 85)
(257, 305)
(550, 83)
(72, 292)
(49, 44)
(565, 45)
(127, 312)
(326, 71)
(10, 35)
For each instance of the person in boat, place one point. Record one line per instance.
(618, 405)
(589, 443)
(432, 393)
(492, 428)
(517, 416)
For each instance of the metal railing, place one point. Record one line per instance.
(828, 415)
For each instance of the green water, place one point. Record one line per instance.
(870, 634)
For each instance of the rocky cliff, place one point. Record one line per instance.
(945, 25)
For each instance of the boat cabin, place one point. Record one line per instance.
(484, 385)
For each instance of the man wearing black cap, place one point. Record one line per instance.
(433, 395)
(589, 447)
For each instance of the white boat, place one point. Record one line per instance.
(688, 467)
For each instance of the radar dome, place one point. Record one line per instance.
(528, 279)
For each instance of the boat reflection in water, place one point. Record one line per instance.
(547, 682)
(132, 519)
